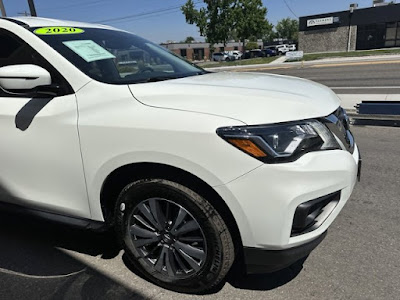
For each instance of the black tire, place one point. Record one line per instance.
(217, 246)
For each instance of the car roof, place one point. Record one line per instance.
(46, 22)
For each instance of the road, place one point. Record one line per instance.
(364, 77)
(359, 259)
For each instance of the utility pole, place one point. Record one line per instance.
(353, 7)
(3, 10)
(32, 8)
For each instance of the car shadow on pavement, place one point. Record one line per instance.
(265, 282)
(238, 279)
(32, 265)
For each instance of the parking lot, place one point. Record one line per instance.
(359, 259)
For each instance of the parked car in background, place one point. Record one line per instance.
(282, 49)
(221, 56)
(253, 54)
(236, 54)
(268, 52)
(292, 47)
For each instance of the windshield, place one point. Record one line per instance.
(116, 57)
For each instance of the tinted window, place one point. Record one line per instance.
(14, 51)
(8, 46)
(127, 58)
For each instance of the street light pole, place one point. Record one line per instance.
(32, 8)
(3, 10)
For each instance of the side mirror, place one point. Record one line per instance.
(23, 77)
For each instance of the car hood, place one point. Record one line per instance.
(252, 98)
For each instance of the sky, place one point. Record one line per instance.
(161, 20)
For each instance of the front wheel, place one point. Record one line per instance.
(173, 236)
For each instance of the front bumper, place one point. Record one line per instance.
(264, 201)
(266, 261)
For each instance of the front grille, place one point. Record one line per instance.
(339, 124)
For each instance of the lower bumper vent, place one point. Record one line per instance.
(310, 215)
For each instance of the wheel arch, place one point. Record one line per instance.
(120, 177)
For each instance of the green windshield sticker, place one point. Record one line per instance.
(58, 30)
(88, 50)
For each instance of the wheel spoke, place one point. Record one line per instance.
(161, 260)
(155, 209)
(179, 219)
(190, 250)
(180, 262)
(138, 231)
(190, 239)
(170, 263)
(143, 221)
(190, 260)
(167, 218)
(145, 242)
(146, 212)
(187, 227)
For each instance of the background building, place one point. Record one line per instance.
(200, 51)
(369, 28)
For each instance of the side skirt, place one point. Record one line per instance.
(56, 218)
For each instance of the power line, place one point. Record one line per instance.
(148, 17)
(148, 13)
(77, 5)
(136, 15)
(291, 10)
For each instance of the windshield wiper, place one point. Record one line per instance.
(162, 78)
(156, 79)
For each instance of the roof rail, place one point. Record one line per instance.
(16, 22)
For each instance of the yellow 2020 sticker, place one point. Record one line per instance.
(58, 30)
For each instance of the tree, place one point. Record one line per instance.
(189, 40)
(288, 29)
(251, 45)
(221, 19)
(214, 21)
(250, 16)
(270, 35)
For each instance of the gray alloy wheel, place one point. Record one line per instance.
(168, 237)
(173, 236)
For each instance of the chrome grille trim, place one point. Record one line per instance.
(338, 123)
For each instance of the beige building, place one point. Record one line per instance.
(201, 51)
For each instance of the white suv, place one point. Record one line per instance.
(235, 54)
(193, 170)
(282, 49)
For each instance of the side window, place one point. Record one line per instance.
(14, 51)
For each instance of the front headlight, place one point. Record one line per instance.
(277, 143)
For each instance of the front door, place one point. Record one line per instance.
(40, 158)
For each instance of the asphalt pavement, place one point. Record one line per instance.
(363, 75)
(359, 259)
(380, 77)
